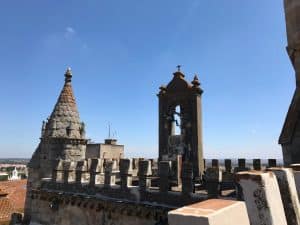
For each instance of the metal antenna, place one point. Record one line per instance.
(109, 130)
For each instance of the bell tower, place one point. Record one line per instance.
(180, 123)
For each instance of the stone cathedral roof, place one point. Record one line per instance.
(64, 121)
(291, 120)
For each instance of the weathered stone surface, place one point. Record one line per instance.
(262, 197)
(289, 196)
(296, 170)
(210, 212)
(80, 210)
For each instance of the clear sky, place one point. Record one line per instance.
(120, 53)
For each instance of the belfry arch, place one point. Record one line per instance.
(180, 123)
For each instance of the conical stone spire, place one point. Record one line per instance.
(64, 121)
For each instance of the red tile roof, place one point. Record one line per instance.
(14, 200)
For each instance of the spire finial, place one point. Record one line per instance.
(196, 82)
(178, 67)
(68, 75)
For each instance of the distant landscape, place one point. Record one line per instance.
(14, 160)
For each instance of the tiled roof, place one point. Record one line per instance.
(6, 209)
(15, 199)
(64, 120)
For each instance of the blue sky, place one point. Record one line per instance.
(122, 51)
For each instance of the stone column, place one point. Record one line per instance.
(144, 174)
(187, 178)
(288, 191)
(164, 176)
(210, 212)
(125, 173)
(262, 197)
(213, 177)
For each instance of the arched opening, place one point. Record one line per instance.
(177, 121)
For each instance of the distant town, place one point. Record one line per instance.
(13, 168)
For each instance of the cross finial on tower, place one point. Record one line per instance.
(68, 74)
(178, 67)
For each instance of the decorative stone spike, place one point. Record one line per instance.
(164, 176)
(66, 166)
(241, 166)
(242, 163)
(187, 178)
(256, 164)
(213, 177)
(72, 172)
(227, 176)
(81, 167)
(215, 163)
(95, 171)
(210, 212)
(59, 171)
(272, 163)
(125, 173)
(286, 182)
(228, 166)
(109, 177)
(262, 196)
(144, 174)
